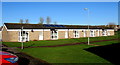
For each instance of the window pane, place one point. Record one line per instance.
(54, 34)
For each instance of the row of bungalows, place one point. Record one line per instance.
(16, 32)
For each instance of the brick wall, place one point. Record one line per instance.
(12, 36)
(47, 35)
(5, 36)
(34, 35)
(61, 34)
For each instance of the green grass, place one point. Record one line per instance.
(65, 54)
(56, 42)
(106, 42)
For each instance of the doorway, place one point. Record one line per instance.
(41, 36)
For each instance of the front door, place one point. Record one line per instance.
(98, 33)
(41, 36)
(66, 34)
(84, 33)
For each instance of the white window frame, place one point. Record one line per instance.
(92, 34)
(54, 35)
(76, 35)
(20, 37)
(104, 32)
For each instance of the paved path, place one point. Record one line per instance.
(69, 44)
(95, 44)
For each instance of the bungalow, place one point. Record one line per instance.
(11, 32)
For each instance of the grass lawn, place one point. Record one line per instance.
(106, 42)
(57, 42)
(65, 54)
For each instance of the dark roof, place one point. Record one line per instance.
(26, 26)
(43, 26)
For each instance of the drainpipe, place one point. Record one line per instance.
(68, 33)
(43, 34)
(22, 39)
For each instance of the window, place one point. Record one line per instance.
(23, 33)
(23, 36)
(84, 32)
(104, 32)
(92, 33)
(54, 34)
(76, 34)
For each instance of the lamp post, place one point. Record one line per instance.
(86, 9)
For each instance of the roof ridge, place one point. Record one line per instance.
(23, 23)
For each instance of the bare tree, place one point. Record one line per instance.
(111, 24)
(26, 21)
(21, 21)
(48, 20)
(41, 20)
